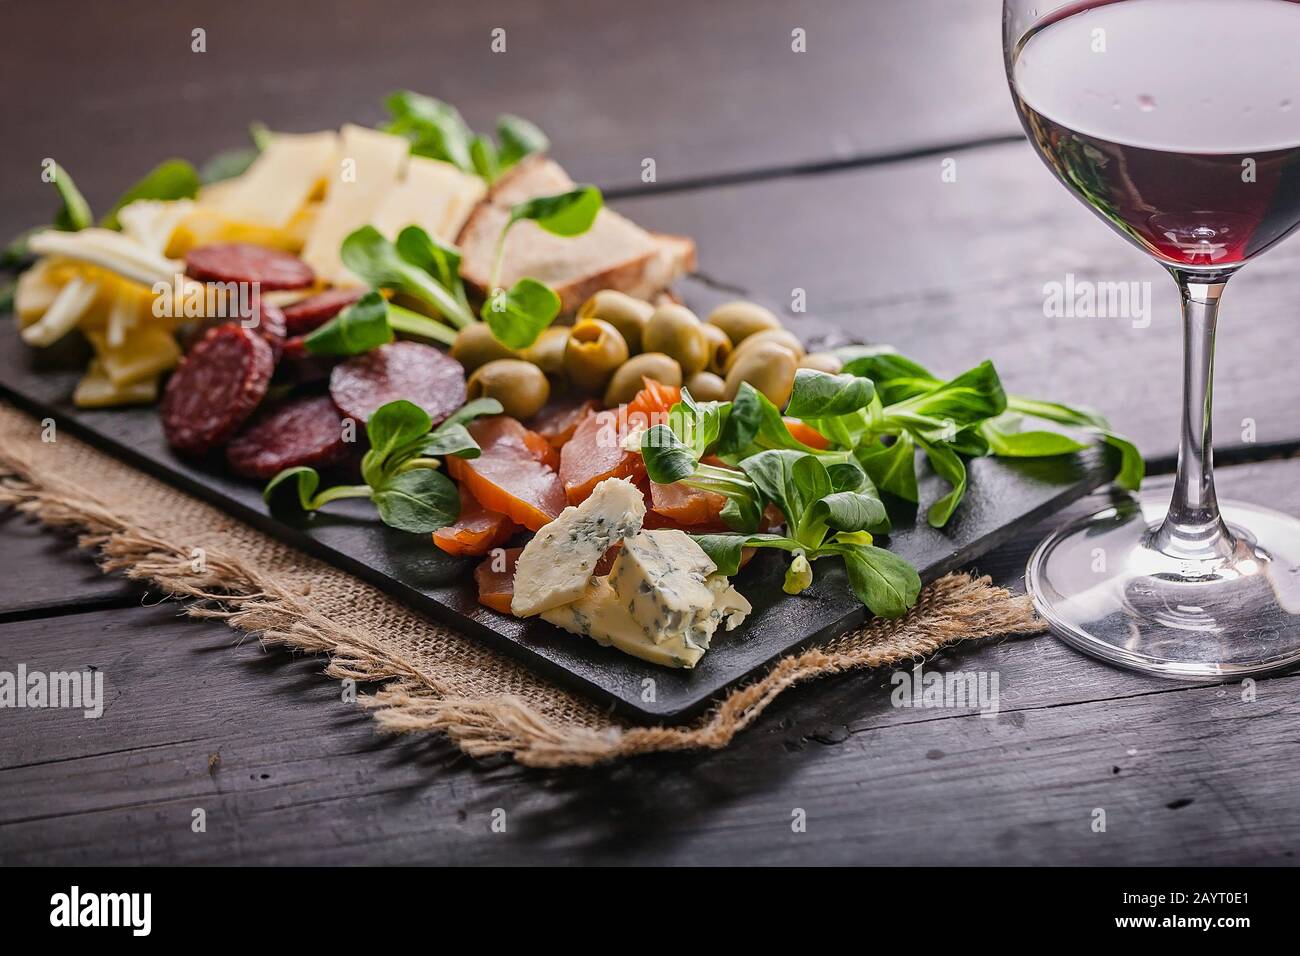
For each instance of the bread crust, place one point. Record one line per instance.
(643, 275)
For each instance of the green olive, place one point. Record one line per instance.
(594, 351)
(827, 362)
(622, 311)
(627, 381)
(674, 330)
(740, 320)
(719, 348)
(706, 387)
(519, 386)
(781, 337)
(769, 367)
(547, 353)
(475, 345)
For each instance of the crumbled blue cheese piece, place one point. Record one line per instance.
(659, 576)
(730, 604)
(557, 563)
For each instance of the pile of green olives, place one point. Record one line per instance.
(616, 341)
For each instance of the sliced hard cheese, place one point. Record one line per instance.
(39, 286)
(601, 615)
(434, 195)
(278, 184)
(122, 315)
(151, 222)
(96, 390)
(205, 226)
(148, 351)
(367, 169)
(461, 207)
(109, 250)
(72, 302)
(557, 563)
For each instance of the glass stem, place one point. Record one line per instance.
(1193, 528)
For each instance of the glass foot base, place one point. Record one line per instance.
(1105, 589)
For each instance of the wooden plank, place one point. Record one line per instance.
(703, 89)
(301, 776)
(292, 784)
(45, 572)
(952, 272)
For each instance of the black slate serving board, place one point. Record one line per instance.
(1003, 496)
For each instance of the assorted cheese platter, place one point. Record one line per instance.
(431, 358)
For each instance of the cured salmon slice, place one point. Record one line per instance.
(560, 419)
(802, 431)
(515, 474)
(495, 578)
(594, 453)
(477, 531)
(597, 449)
(686, 507)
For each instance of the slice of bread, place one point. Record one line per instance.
(615, 253)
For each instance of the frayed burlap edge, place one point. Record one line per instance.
(955, 608)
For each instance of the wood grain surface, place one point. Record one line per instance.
(286, 772)
(819, 171)
(705, 89)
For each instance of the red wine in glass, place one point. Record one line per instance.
(1178, 121)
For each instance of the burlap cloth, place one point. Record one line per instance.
(433, 678)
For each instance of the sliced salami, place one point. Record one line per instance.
(217, 386)
(299, 365)
(270, 324)
(409, 370)
(311, 313)
(299, 431)
(245, 262)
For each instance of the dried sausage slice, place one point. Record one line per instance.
(245, 262)
(300, 431)
(271, 326)
(418, 373)
(307, 315)
(215, 388)
(299, 365)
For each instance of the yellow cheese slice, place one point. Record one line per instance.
(38, 287)
(65, 312)
(96, 390)
(147, 351)
(279, 182)
(461, 208)
(205, 226)
(368, 167)
(434, 195)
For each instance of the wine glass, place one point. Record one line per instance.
(1178, 123)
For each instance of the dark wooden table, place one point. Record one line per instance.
(818, 171)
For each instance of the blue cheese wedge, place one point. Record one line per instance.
(602, 616)
(661, 602)
(557, 563)
(660, 578)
